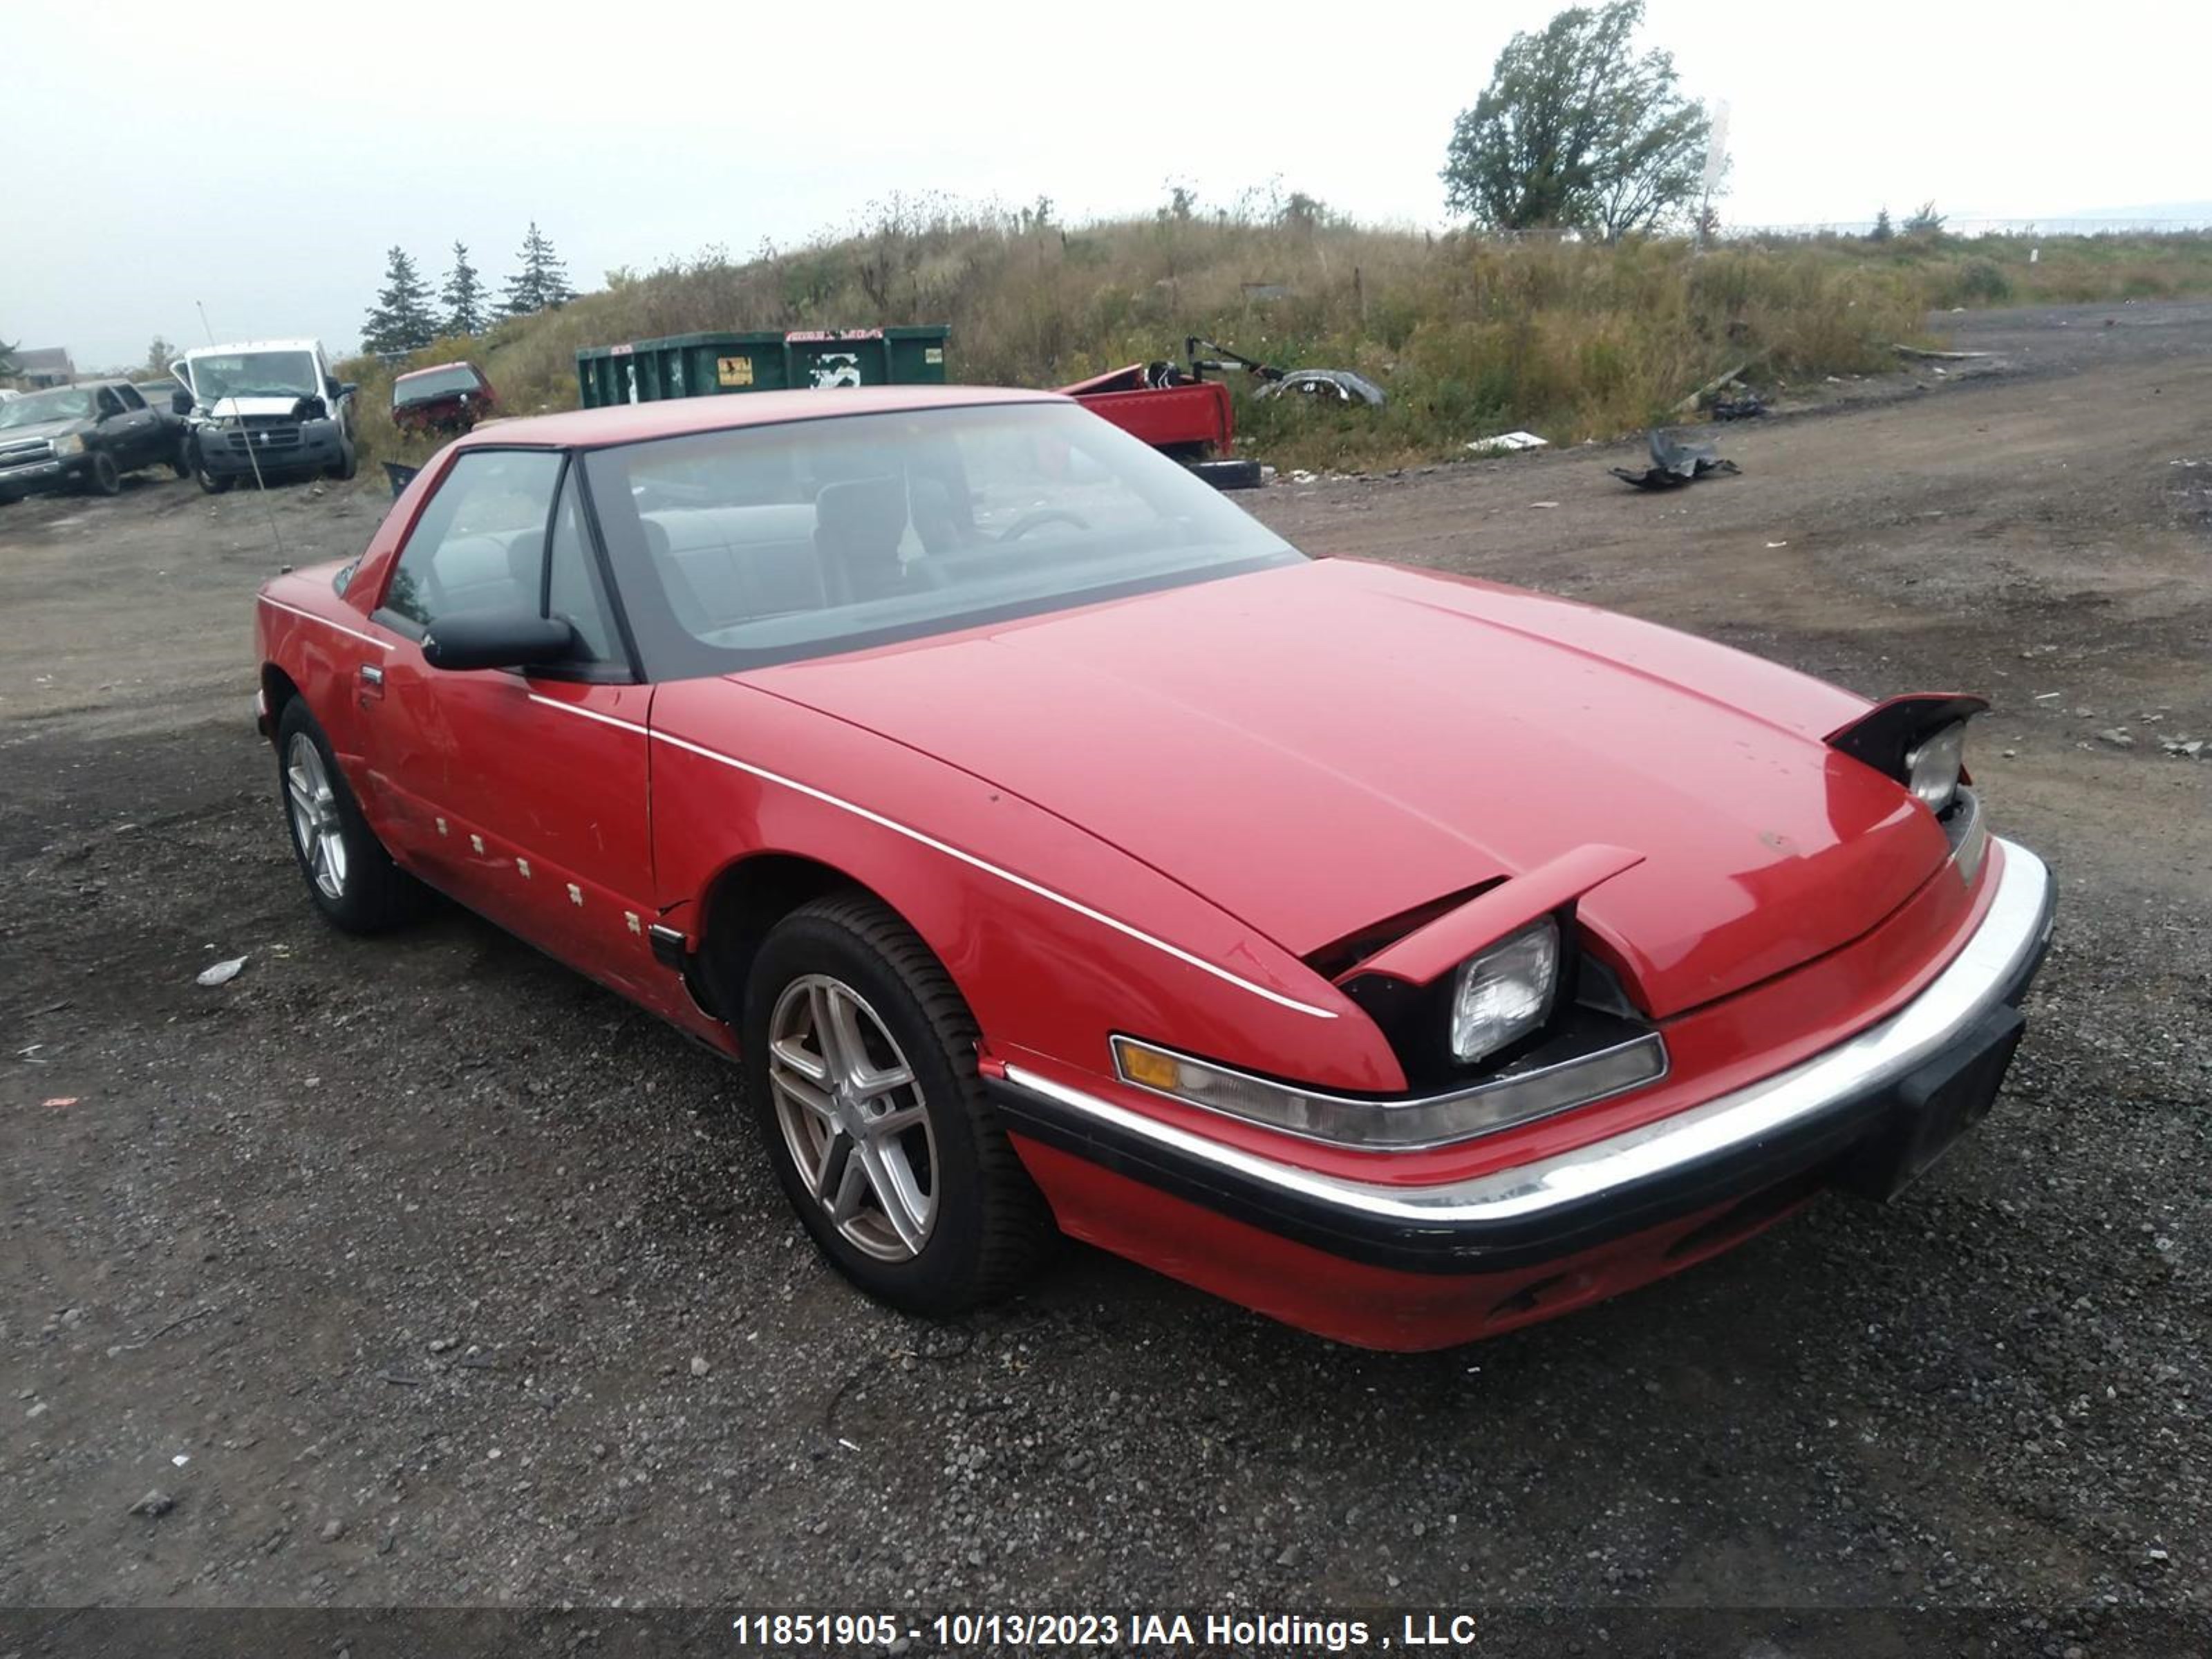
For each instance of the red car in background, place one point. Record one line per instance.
(448, 399)
(1404, 956)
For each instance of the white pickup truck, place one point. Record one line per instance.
(266, 407)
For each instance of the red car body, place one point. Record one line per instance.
(1200, 815)
(446, 398)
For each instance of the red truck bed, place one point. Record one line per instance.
(1190, 420)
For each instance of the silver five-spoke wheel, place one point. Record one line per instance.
(315, 815)
(853, 1116)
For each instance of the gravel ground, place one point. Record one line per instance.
(419, 1272)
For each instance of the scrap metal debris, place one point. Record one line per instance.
(1720, 383)
(1748, 407)
(1339, 384)
(1674, 463)
(1506, 443)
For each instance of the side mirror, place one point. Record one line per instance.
(346, 389)
(499, 639)
(180, 402)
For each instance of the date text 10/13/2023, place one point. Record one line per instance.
(1137, 1632)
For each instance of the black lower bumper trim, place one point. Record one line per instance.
(1435, 1247)
(1831, 1141)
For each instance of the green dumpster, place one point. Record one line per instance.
(708, 365)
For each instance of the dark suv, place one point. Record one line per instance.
(84, 436)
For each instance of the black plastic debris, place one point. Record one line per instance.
(401, 476)
(1674, 463)
(1750, 406)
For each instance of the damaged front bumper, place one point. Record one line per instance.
(237, 452)
(1872, 1110)
(49, 473)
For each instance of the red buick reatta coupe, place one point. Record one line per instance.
(1404, 956)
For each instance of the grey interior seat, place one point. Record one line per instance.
(858, 527)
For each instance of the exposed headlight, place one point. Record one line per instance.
(1502, 995)
(69, 445)
(1932, 769)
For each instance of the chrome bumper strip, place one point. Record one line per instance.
(1991, 970)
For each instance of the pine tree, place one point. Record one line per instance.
(542, 281)
(462, 296)
(401, 321)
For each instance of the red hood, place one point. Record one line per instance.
(1318, 748)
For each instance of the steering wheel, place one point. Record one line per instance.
(1029, 521)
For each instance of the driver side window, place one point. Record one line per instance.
(480, 544)
(108, 404)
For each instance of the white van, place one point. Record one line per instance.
(270, 406)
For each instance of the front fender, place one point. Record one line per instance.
(1056, 939)
(303, 631)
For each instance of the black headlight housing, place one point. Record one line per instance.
(1587, 1010)
(1918, 741)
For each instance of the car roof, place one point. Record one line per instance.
(674, 417)
(458, 362)
(251, 345)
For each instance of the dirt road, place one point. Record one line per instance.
(421, 1272)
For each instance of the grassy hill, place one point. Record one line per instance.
(1469, 336)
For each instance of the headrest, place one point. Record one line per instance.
(525, 558)
(866, 513)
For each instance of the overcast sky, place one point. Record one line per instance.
(153, 161)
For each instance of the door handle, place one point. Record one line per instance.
(372, 681)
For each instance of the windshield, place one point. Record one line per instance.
(224, 374)
(768, 544)
(434, 383)
(62, 403)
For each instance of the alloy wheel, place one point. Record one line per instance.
(315, 823)
(852, 1117)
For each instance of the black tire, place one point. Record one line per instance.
(214, 483)
(105, 478)
(372, 894)
(180, 460)
(348, 463)
(1230, 475)
(990, 1227)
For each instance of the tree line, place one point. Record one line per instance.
(407, 317)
